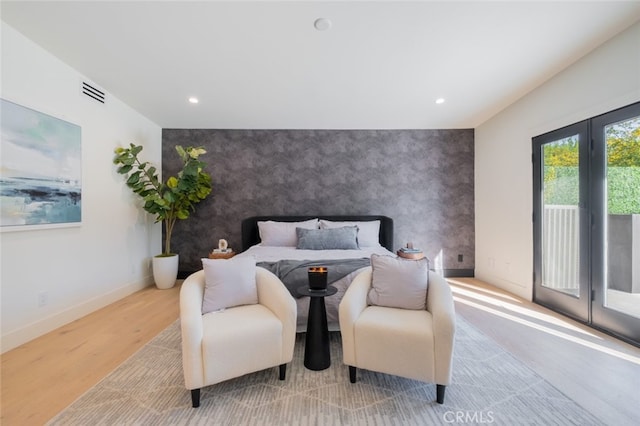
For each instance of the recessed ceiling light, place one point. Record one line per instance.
(440, 100)
(322, 24)
(193, 100)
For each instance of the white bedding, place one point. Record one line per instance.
(274, 254)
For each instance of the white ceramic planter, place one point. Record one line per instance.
(165, 271)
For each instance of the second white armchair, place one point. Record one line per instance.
(412, 343)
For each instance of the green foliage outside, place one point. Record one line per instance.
(561, 185)
(561, 188)
(624, 190)
(623, 171)
(623, 144)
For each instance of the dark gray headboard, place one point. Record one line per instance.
(251, 236)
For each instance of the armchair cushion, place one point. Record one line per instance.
(259, 348)
(399, 283)
(228, 283)
(395, 341)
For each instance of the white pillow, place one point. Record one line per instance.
(368, 231)
(228, 283)
(399, 283)
(282, 234)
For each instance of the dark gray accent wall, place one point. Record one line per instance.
(423, 179)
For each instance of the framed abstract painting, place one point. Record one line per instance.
(40, 170)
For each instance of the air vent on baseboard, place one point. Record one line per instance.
(93, 92)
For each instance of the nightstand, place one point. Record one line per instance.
(412, 256)
(220, 255)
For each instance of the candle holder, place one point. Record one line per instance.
(317, 278)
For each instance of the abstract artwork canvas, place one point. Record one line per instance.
(40, 170)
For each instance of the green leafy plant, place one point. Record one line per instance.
(170, 200)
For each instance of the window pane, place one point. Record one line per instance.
(622, 251)
(560, 223)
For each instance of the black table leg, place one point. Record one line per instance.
(317, 355)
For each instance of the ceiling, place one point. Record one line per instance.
(263, 65)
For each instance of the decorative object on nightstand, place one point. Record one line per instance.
(223, 251)
(409, 252)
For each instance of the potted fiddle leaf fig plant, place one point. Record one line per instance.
(169, 201)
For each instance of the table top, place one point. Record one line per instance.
(306, 291)
(219, 255)
(414, 256)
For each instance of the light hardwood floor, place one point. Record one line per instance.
(599, 372)
(42, 377)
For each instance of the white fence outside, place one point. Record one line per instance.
(560, 248)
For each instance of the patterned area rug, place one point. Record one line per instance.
(489, 387)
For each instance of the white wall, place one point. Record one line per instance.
(82, 268)
(605, 79)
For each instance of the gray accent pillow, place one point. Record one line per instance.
(345, 238)
(399, 283)
(228, 283)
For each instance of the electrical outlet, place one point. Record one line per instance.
(43, 299)
(460, 257)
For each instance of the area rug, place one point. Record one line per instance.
(489, 386)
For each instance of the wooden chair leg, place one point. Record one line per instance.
(283, 371)
(352, 374)
(440, 393)
(195, 398)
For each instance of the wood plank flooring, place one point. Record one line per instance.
(42, 377)
(599, 372)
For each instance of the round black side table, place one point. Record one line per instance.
(317, 354)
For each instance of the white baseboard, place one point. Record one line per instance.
(36, 329)
(513, 288)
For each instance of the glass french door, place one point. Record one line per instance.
(561, 220)
(587, 221)
(616, 229)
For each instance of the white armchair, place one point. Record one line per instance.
(222, 345)
(416, 344)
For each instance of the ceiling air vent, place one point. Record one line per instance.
(93, 92)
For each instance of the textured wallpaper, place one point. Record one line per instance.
(423, 179)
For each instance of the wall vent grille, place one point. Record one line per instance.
(93, 92)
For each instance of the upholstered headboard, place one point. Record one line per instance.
(251, 236)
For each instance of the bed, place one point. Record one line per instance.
(270, 241)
